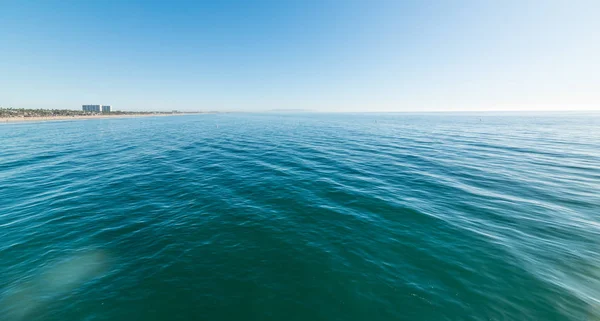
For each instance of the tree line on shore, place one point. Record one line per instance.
(24, 112)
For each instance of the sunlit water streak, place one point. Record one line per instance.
(302, 217)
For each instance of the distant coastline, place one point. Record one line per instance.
(9, 115)
(291, 110)
(66, 118)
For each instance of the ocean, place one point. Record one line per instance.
(305, 216)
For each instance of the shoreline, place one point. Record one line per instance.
(7, 120)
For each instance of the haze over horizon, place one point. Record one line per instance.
(313, 55)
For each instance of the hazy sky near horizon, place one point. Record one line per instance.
(327, 55)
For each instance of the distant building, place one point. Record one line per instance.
(91, 108)
(106, 108)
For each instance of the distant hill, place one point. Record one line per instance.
(291, 110)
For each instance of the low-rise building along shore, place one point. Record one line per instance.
(21, 114)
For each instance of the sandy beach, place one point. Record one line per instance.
(67, 118)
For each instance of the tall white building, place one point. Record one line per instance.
(91, 108)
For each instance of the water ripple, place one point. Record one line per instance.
(302, 216)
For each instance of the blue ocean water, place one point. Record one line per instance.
(302, 217)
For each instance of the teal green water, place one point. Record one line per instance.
(302, 217)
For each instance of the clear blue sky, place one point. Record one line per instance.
(327, 55)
